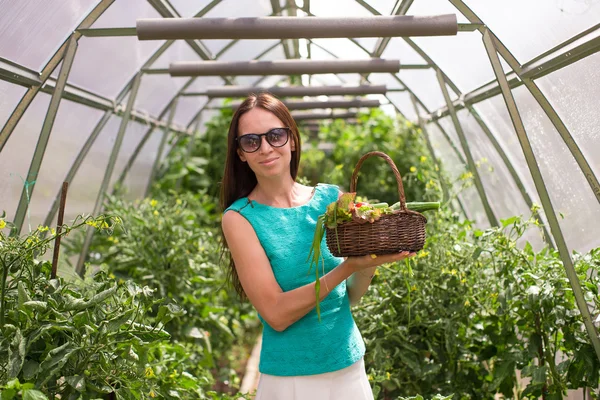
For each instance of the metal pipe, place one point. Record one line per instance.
(295, 28)
(315, 116)
(290, 91)
(281, 67)
(309, 105)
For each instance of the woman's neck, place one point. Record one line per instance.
(277, 192)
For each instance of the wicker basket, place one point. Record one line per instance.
(402, 230)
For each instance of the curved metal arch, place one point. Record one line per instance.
(47, 70)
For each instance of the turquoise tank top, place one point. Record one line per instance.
(308, 346)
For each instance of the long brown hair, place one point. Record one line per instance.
(238, 178)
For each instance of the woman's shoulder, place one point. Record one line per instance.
(237, 205)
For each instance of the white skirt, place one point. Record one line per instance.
(350, 383)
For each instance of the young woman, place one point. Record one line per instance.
(268, 225)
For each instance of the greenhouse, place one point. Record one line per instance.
(434, 235)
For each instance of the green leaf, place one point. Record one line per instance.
(36, 305)
(115, 323)
(23, 295)
(539, 375)
(8, 394)
(57, 356)
(30, 369)
(33, 394)
(77, 382)
(508, 221)
(16, 354)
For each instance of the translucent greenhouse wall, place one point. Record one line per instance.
(548, 55)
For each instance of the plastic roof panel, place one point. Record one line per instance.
(462, 58)
(574, 92)
(187, 8)
(31, 31)
(136, 182)
(529, 28)
(424, 84)
(338, 8)
(105, 65)
(72, 127)
(16, 155)
(569, 191)
(233, 8)
(245, 50)
(180, 50)
(156, 91)
(124, 13)
(398, 49)
(11, 95)
(385, 7)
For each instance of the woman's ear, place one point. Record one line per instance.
(241, 155)
(292, 144)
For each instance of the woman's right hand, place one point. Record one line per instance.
(358, 263)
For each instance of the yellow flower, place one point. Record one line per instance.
(387, 375)
(413, 288)
(423, 158)
(373, 256)
(370, 377)
(2, 223)
(111, 275)
(152, 394)
(466, 176)
(423, 254)
(155, 213)
(153, 203)
(42, 228)
(453, 272)
(178, 202)
(376, 272)
(463, 280)
(467, 302)
(149, 373)
(53, 231)
(413, 169)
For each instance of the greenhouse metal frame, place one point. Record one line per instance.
(457, 117)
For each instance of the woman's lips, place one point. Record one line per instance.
(270, 161)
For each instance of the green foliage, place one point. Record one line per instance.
(375, 131)
(170, 245)
(82, 339)
(473, 308)
(195, 163)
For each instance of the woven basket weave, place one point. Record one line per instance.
(402, 230)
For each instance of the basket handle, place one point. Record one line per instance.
(394, 169)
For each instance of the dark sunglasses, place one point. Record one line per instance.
(276, 137)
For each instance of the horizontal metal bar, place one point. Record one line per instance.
(316, 116)
(469, 27)
(581, 48)
(155, 71)
(296, 28)
(310, 105)
(107, 32)
(80, 96)
(282, 67)
(290, 91)
(15, 73)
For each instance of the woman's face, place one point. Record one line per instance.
(268, 160)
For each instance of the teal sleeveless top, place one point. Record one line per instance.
(308, 346)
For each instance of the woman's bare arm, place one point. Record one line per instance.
(281, 309)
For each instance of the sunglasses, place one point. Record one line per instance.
(276, 137)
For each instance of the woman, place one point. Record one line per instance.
(268, 225)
